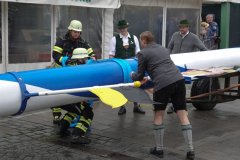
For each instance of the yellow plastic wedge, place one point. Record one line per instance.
(110, 97)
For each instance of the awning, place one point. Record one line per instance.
(221, 1)
(83, 3)
(164, 3)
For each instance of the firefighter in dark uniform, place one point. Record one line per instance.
(62, 53)
(125, 45)
(73, 50)
(81, 109)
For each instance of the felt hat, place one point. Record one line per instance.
(122, 24)
(183, 23)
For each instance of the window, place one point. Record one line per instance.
(91, 19)
(141, 19)
(29, 33)
(234, 32)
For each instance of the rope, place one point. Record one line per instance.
(24, 92)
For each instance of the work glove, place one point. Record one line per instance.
(65, 60)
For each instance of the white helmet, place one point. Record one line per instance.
(79, 53)
(75, 25)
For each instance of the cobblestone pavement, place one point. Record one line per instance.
(129, 137)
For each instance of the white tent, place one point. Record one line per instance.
(221, 1)
(164, 9)
(83, 3)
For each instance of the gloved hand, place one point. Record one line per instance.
(64, 61)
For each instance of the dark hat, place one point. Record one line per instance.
(122, 24)
(183, 23)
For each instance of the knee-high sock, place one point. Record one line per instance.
(187, 134)
(158, 135)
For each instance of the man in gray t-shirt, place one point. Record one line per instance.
(168, 84)
(184, 41)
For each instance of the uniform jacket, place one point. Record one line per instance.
(65, 47)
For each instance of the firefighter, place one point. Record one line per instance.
(81, 109)
(62, 53)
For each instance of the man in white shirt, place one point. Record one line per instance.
(123, 46)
